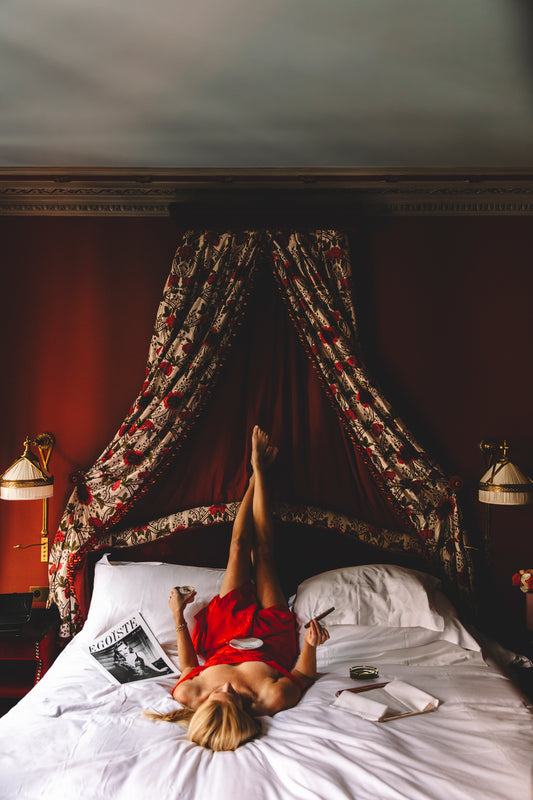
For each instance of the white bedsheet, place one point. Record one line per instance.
(76, 735)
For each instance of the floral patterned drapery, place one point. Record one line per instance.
(203, 301)
(314, 274)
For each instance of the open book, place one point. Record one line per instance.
(385, 701)
(130, 652)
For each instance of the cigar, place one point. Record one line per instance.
(320, 616)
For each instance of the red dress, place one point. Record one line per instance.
(238, 615)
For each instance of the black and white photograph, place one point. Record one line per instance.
(129, 652)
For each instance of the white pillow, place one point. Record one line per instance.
(371, 594)
(381, 595)
(121, 588)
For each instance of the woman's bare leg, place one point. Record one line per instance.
(239, 566)
(269, 591)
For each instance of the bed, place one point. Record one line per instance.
(77, 734)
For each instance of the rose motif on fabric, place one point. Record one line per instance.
(173, 400)
(133, 458)
(83, 494)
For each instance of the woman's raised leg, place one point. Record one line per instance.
(269, 591)
(238, 569)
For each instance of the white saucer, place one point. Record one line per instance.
(250, 643)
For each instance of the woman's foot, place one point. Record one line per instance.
(263, 453)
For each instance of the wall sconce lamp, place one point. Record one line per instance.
(29, 479)
(503, 484)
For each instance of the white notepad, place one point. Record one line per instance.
(394, 700)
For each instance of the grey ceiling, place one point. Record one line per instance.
(265, 83)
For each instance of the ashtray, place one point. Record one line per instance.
(364, 672)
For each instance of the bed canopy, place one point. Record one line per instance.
(271, 314)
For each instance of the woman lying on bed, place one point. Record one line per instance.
(223, 698)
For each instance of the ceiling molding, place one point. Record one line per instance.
(144, 192)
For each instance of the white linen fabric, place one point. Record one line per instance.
(121, 588)
(78, 735)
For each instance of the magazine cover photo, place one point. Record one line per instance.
(129, 652)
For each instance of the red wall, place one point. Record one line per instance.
(445, 321)
(78, 304)
(448, 328)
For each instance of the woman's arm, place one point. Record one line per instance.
(186, 652)
(305, 668)
(284, 692)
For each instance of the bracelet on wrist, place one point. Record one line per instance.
(181, 627)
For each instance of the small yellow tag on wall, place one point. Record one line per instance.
(44, 548)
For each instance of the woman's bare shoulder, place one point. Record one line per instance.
(188, 689)
(279, 694)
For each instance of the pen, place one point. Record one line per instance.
(366, 688)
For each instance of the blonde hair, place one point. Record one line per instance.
(216, 725)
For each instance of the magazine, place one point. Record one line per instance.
(130, 652)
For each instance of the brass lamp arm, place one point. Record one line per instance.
(44, 442)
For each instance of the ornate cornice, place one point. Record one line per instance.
(145, 192)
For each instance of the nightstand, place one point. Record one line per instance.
(26, 654)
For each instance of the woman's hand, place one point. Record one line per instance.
(316, 634)
(305, 667)
(177, 602)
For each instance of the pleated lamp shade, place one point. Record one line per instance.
(505, 485)
(25, 480)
